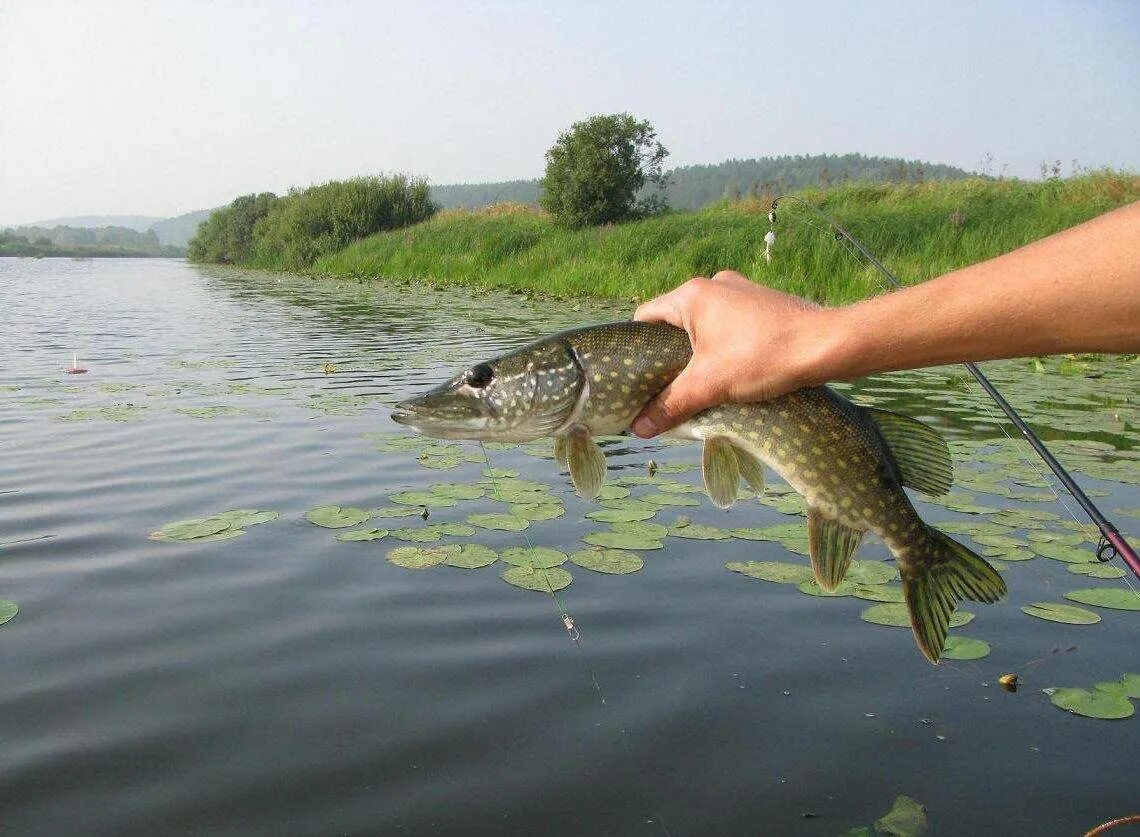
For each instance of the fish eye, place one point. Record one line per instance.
(479, 376)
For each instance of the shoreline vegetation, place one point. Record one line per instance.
(920, 230)
(83, 243)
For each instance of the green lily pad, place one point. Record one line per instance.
(620, 540)
(500, 473)
(337, 517)
(1096, 570)
(189, 530)
(1131, 685)
(879, 593)
(237, 518)
(971, 528)
(539, 580)
(674, 487)
(1097, 703)
(965, 648)
(1116, 598)
(812, 588)
(1057, 612)
(639, 529)
(426, 534)
(621, 515)
(780, 572)
(456, 530)
(8, 610)
(871, 572)
(538, 511)
(751, 534)
(394, 511)
(896, 615)
(496, 520)
(423, 498)
(472, 556)
(420, 558)
(362, 535)
(670, 500)
(612, 492)
(457, 490)
(1063, 552)
(537, 557)
(521, 496)
(1046, 536)
(610, 561)
(998, 541)
(700, 532)
(907, 818)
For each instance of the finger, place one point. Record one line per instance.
(669, 307)
(683, 397)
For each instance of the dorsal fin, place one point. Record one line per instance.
(920, 451)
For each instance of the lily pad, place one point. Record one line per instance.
(621, 540)
(426, 534)
(896, 615)
(621, 515)
(500, 473)
(471, 557)
(879, 593)
(394, 511)
(539, 580)
(612, 492)
(537, 557)
(423, 498)
(907, 818)
(1107, 704)
(780, 572)
(497, 520)
(642, 530)
(237, 518)
(872, 572)
(1063, 552)
(457, 490)
(965, 648)
(663, 499)
(420, 558)
(362, 535)
(189, 530)
(699, 531)
(538, 511)
(610, 561)
(337, 517)
(8, 610)
(1096, 570)
(1057, 612)
(1116, 598)
(845, 588)
(1046, 536)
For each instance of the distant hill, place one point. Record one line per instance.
(138, 223)
(692, 187)
(178, 231)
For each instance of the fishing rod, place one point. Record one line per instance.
(1112, 543)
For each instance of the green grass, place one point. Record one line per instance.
(918, 230)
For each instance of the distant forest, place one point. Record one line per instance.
(691, 187)
(83, 241)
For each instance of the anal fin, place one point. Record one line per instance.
(721, 471)
(585, 460)
(831, 545)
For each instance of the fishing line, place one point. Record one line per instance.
(576, 637)
(1112, 544)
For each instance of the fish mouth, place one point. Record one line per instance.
(405, 413)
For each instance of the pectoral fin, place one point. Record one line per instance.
(586, 461)
(919, 451)
(751, 469)
(721, 471)
(831, 545)
(560, 452)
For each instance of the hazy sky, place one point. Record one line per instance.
(162, 107)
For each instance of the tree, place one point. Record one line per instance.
(595, 171)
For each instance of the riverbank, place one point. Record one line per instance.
(919, 230)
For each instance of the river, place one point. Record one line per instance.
(285, 682)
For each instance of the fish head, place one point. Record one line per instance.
(524, 395)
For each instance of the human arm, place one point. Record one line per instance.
(1077, 290)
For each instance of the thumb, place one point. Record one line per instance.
(683, 397)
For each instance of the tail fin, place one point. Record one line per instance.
(934, 583)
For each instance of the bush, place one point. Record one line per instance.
(226, 236)
(320, 220)
(595, 170)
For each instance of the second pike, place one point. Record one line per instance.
(849, 463)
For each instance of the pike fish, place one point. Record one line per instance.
(849, 462)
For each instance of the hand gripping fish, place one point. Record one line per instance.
(849, 463)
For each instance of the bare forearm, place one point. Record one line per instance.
(1078, 290)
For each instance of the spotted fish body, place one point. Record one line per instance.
(849, 463)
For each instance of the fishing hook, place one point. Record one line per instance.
(1112, 543)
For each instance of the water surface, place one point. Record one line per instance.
(286, 683)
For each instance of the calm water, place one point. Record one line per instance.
(286, 683)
